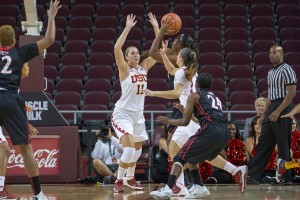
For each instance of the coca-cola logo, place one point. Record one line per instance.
(45, 158)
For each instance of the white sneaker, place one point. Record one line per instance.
(198, 192)
(192, 188)
(164, 193)
(179, 190)
(240, 174)
(40, 196)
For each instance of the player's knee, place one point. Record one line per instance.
(5, 149)
(128, 154)
(178, 160)
(137, 155)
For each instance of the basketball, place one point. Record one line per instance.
(175, 23)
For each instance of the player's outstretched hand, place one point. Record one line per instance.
(130, 21)
(163, 119)
(153, 20)
(164, 47)
(288, 115)
(148, 92)
(165, 24)
(54, 7)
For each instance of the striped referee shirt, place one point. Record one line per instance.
(278, 78)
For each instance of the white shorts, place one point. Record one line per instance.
(183, 133)
(2, 137)
(126, 122)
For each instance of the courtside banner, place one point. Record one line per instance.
(46, 149)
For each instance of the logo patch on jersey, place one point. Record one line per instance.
(139, 78)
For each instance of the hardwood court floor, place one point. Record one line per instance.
(105, 192)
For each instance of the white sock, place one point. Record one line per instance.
(180, 179)
(229, 167)
(121, 173)
(130, 172)
(2, 179)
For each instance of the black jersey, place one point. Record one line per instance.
(208, 108)
(11, 63)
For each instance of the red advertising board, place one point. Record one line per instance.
(46, 152)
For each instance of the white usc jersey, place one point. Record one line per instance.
(132, 98)
(188, 87)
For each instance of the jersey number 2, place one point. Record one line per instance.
(6, 66)
(215, 102)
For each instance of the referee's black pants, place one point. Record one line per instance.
(272, 133)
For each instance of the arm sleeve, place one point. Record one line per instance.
(29, 51)
(116, 143)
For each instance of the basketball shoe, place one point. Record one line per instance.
(280, 169)
(197, 192)
(179, 190)
(5, 195)
(40, 196)
(119, 186)
(132, 183)
(240, 175)
(164, 193)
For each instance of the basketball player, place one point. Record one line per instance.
(127, 118)
(12, 114)
(185, 75)
(206, 144)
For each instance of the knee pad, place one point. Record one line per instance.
(137, 154)
(128, 154)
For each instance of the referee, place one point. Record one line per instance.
(275, 130)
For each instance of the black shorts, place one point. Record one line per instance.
(13, 117)
(175, 115)
(206, 144)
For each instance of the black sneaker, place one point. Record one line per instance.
(252, 181)
(269, 179)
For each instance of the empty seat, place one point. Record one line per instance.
(68, 116)
(240, 71)
(222, 96)
(165, 2)
(158, 9)
(259, 1)
(107, 22)
(55, 47)
(236, 21)
(292, 58)
(157, 71)
(81, 22)
(52, 59)
(262, 22)
(83, 10)
(236, 46)
(89, 2)
(117, 86)
(98, 85)
(236, 34)
(288, 22)
(287, 10)
(188, 31)
(157, 84)
(215, 71)
(69, 98)
(50, 87)
(291, 45)
(102, 46)
(289, 34)
(261, 58)
(135, 34)
(9, 10)
(217, 2)
(235, 2)
(94, 116)
(74, 59)
(78, 34)
(235, 10)
(263, 34)
(209, 10)
(64, 11)
(8, 20)
(108, 10)
(140, 22)
(156, 100)
(184, 10)
(79, 46)
(210, 59)
(261, 10)
(72, 71)
(242, 107)
(240, 84)
(153, 107)
(50, 72)
(188, 21)
(96, 97)
(191, 2)
(262, 85)
(133, 43)
(218, 85)
(210, 21)
(209, 46)
(101, 59)
(104, 34)
(59, 36)
(116, 97)
(210, 34)
(242, 97)
(100, 71)
(238, 58)
(135, 9)
(262, 71)
(74, 85)
(262, 46)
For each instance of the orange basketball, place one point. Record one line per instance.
(175, 23)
